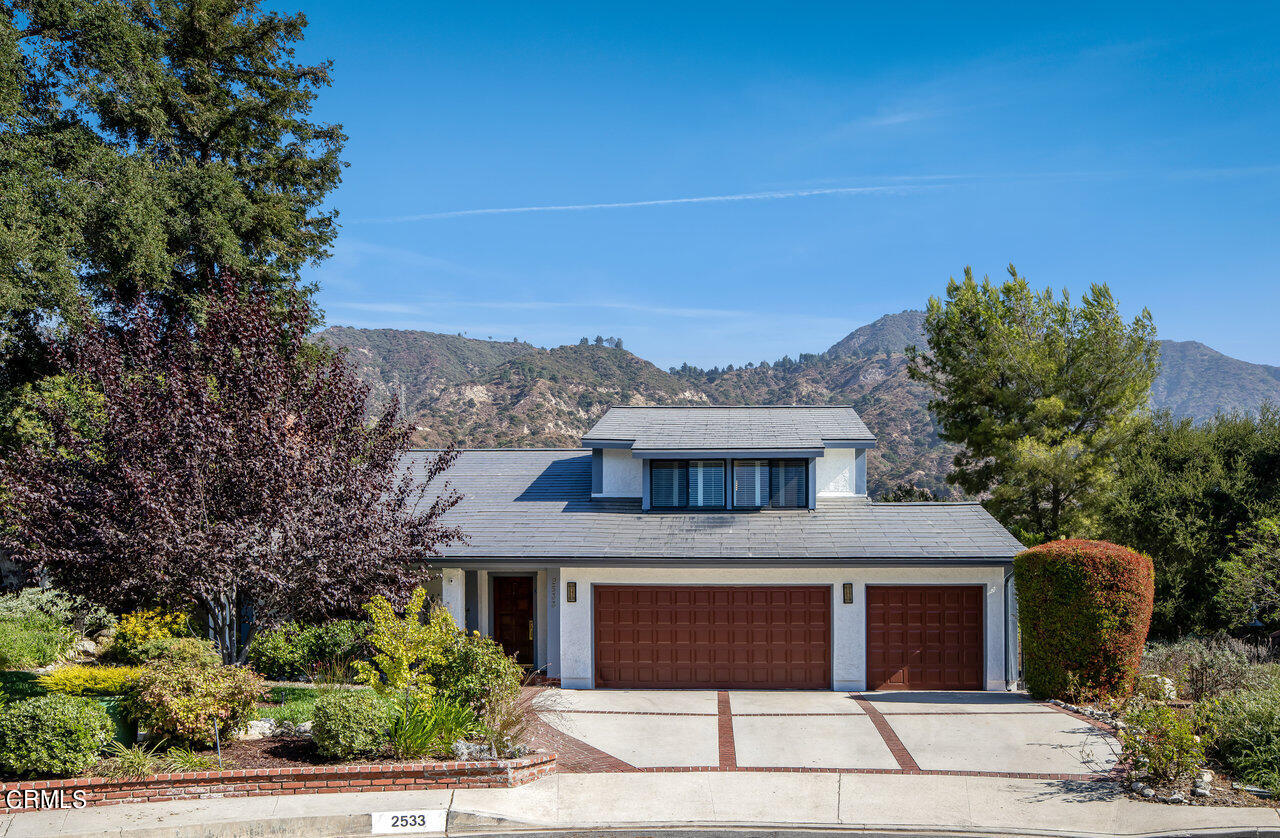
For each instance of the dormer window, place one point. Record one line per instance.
(687, 484)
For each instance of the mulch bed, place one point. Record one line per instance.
(1220, 794)
(290, 752)
(280, 752)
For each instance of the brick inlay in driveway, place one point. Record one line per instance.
(724, 724)
(899, 751)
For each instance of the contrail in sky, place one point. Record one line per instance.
(703, 199)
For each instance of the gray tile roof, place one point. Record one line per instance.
(534, 504)
(715, 428)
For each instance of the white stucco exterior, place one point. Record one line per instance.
(565, 632)
(837, 473)
(622, 474)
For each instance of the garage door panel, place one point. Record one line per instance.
(727, 636)
(924, 637)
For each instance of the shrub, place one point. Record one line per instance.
(64, 607)
(181, 759)
(474, 672)
(140, 627)
(1161, 741)
(429, 727)
(278, 653)
(54, 735)
(336, 641)
(184, 701)
(91, 680)
(128, 762)
(1244, 728)
(33, 639)
(1085, 607)
(190, 650)
(293, 652)
(505, 720)
(405, 648)
(1203, 668)
(350, 724)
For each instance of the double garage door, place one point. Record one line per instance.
(779, 637)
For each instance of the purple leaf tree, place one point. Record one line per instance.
(219, 464)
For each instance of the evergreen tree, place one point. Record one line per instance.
(153, 148)
(1042, 395)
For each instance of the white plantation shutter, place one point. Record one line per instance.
(706, 483)
(751, 482)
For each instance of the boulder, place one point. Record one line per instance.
(260, 729)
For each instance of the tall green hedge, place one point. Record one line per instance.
(1084, 609)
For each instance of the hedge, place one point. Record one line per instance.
(1084, 610)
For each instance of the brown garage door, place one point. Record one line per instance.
(714, 636)
(924, 637)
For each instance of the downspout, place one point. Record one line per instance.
(1011, 672)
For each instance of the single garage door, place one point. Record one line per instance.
(717, 636)
(924, 637)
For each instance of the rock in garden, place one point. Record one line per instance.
(1160, 686)
(1177, 797)
(470, 751)
(303, 729)
(259, 729)
(1199, 791)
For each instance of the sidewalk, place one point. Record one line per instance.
(937, 804)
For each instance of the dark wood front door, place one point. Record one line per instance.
(924, 637)
(513, 616)
(716, 636)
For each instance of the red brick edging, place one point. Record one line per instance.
(906, 762)
(78, 792)
(727, 748)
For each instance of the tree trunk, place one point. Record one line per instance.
(223, 626)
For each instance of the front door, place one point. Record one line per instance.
(513, 616)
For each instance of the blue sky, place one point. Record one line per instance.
(722, 183)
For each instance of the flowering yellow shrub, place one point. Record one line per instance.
(91, 680)
(140, 627)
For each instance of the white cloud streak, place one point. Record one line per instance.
(775, 195)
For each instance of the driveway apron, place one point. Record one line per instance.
(945, 733)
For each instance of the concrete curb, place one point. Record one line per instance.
(477, 825)
(820, 830)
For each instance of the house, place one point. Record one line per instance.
(726, 547)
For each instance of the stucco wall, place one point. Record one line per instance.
(848, 622)
(622, 474)
(836, 477)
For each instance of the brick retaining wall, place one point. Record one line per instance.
(77, 792)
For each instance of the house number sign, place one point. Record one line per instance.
(413, 822)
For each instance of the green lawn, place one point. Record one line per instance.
(290, 704)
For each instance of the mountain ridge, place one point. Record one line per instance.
(476, 393)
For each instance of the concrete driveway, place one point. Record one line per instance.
(999, 734)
